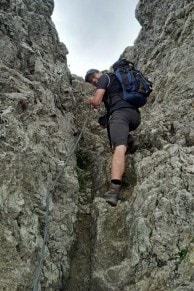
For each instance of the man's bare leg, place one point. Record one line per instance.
(118, 162)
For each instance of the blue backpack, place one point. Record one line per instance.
(136, 88)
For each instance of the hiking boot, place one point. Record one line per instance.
(113, 194)
(131, 145)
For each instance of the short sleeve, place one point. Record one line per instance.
(102, 82)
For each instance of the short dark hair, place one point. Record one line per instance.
(89, 74)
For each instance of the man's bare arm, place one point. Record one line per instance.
(97, 99)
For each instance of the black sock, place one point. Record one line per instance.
(116, 181)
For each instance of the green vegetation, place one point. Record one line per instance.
(182, 254)
(83, 177)
(83, 170)
(83, 160)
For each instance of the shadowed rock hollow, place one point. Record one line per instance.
(146, 243)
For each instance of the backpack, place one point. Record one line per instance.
(136, 88)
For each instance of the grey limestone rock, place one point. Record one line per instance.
(36, 136)
(154, 227)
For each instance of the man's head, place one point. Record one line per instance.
(92, 76)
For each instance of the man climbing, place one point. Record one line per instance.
(122, 118)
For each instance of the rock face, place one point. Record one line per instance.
(36, 135)
(146, 243)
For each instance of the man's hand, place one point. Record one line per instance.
(97, 99)
(89, 101)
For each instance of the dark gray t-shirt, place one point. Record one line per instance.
(113, 94)
(110, 83)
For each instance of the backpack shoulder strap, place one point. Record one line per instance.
(108, 79)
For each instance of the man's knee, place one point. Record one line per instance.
(120, 150)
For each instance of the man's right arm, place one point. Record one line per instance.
(97, 99)
(101, 89)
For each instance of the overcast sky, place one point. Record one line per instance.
(95, 32)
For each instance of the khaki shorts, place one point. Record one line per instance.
(121, 122)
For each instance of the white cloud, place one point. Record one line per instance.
(95, 32)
